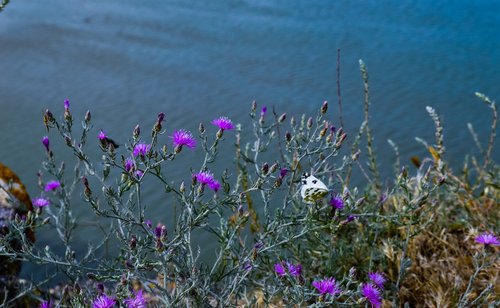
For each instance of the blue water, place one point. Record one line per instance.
(195, 60)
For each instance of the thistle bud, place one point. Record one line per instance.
(254, 106)
(274, 167)
(67, 139)
(182, 188)
(137, 131)
(85, 181)
(309, 123)
(201, 128)
(133, 242)
(322, 133)
(87, 191)
(46, 142)
(288, 136)
(157, 127)
(324, 108)
(178, 149)
(48, 117)
(278, 182)
(219, 134)
(87, 117)
(265, 168)
(292, 121)
(46, 221)
(91, 276)
(355, 156)
(329, 138)
(111, 148)
(67, 114)
(282, 118)
(342, 138)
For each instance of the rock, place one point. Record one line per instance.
(14, 200)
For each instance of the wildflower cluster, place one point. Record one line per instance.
(250, 206)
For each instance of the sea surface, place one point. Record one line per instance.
(126, 61)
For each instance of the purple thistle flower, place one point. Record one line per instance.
(102, 136)
(148, 223)
(350, 218)
(326, 286)
(372, 294)
(141, 149)
(66, 104)
(295, 270)
(223, 123)
(337, 202)
(207, 178)
(377, 278)
(183, 137)
(45, 304)
(46, 142)
(263, 111)
(139, 173)
(40, 202)
(52, 185)
(487, 238)
(138, 301)
(283, 172)
(129, 164)
(214, 185)
(204, 177)
(103, 301)
(279, 269)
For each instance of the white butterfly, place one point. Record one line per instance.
(312, 188)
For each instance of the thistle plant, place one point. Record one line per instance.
(355, 246)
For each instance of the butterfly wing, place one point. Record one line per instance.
(312, 189)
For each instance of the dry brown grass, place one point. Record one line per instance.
(442, 262)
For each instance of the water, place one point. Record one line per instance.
(195, 60)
